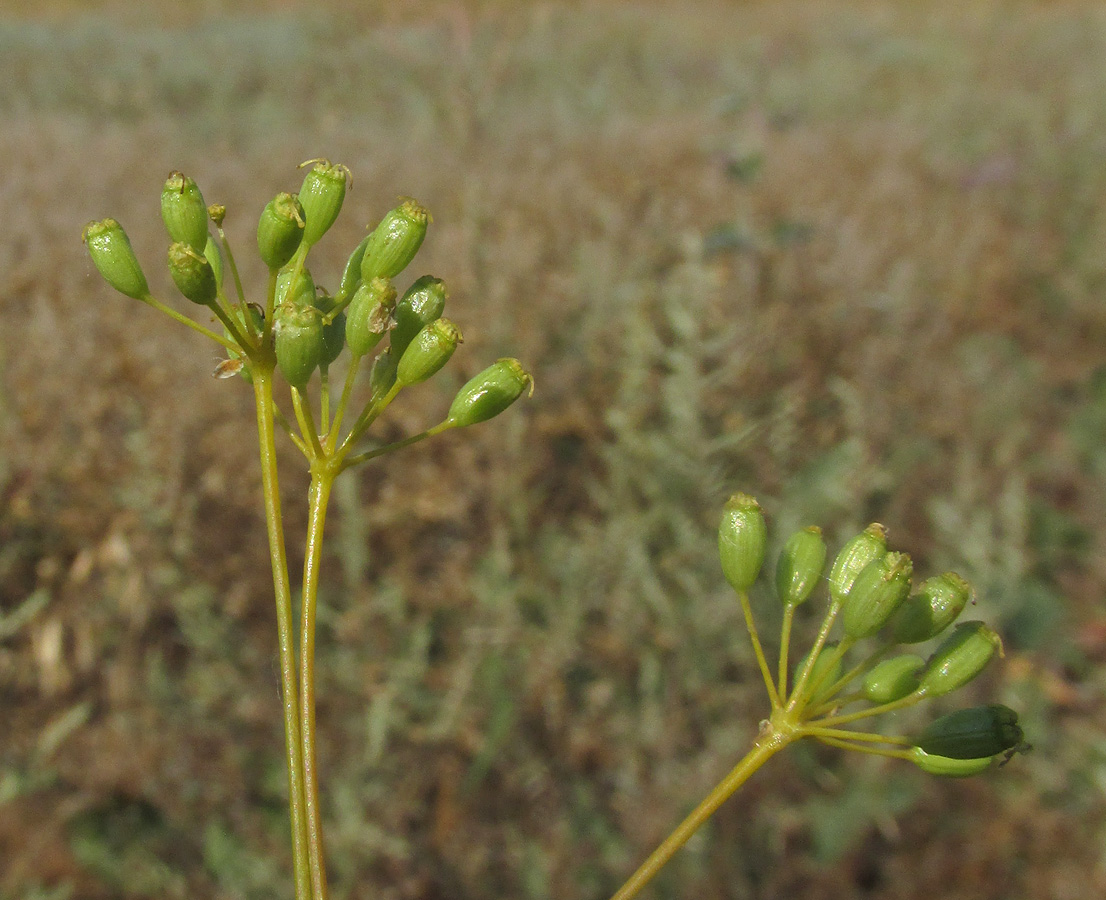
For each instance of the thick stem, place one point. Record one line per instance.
(263, 393)
(765, 747)
(322, 480)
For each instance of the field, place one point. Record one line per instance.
(849, 257)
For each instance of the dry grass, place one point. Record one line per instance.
(846, 256)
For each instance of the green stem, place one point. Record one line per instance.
(150, 300)
(751, 624)
(343, 402)
(263, 394)
(812, 657)
(233, 266)
(785, 646)
(307, 423)
(846, 718)
(398, 445)
(322, 479)
(765, 747)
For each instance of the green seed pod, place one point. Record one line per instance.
(192, 273)
(959, 658)
(489, 393)
(742, 537)
(421, 304)
(800, 565)
(823, 675)
(948, 767)
(322, 193)
(280, 230)
(382, 375)
(351, 275)
(428, 352)
(893, 679)
(303, 294)
(369, 314)
(972, 733)
(934, 608)
(334, 334)
(877, 592)
(111, 253)
(870, 544)
(215, 257)
(298, 334)
(395, 241)
(184, 212)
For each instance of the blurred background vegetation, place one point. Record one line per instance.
(847, 256)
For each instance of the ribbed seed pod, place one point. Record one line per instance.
(280, 230)
(934, 608)
(369, 314)
(111, 253)
(395, 241)
(215, 257)
(800, 565)
(302, 293)
(489, 393)
(421, 304)
(823, 675)
(298, 332)
(192, 273)
(428, 352)
(877, 592)
(184, 212)
(972, 733)
(742, 538)
(960, 658)
(870, 544)
(893, 679)
(946, 766)
(322, 193)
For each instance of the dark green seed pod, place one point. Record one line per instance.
(111, 253)
(893, 679)
(369, 314)
(322, 193)
(280, 230)
(800, 565)
(302, 293)
(870, 544)
(382, 375)
(946, 766)
(395, 241)
(877, 592)
(960, 658)
(215, 257)
(934, 608)
(825, 673)
(489, 393)
(298, 334)
(428, 352)
(184, 212)
(742, 537)
(351, 274)
(972, 733)
(334, 334)
(192, 274)
(421, 304)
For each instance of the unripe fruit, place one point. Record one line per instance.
(489, 393)
(421, 304)
(972, 733)
(280, 230)
(959, 658)
(395, 241)
(192, 274)
(877, 592)
(369, 314)
(111, 253)
(428, 352)
(934, 608)
(184, 212)
(742, 537)
(893, 679)
(382, 375)
(948, 767)
(870, 544)
(826, 671)
(322, 194)
(800, 566)
(298, 332)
